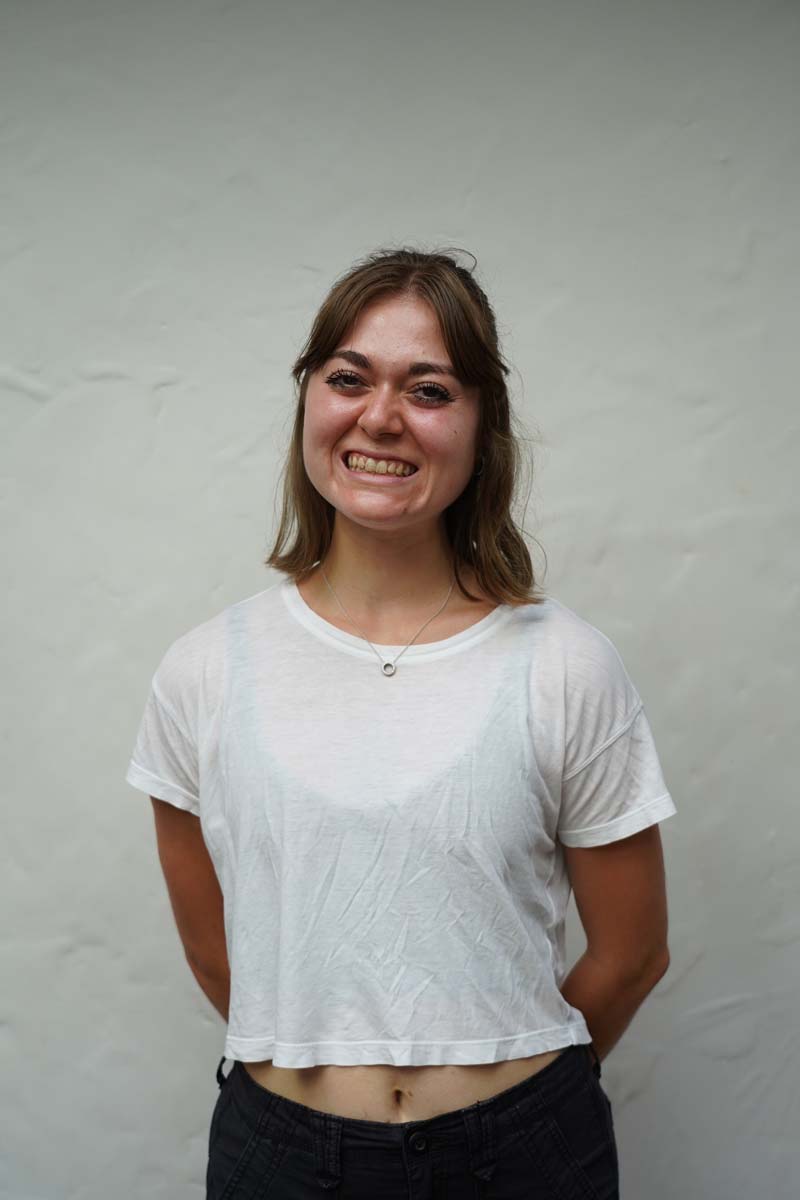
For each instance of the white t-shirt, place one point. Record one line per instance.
(394, 888)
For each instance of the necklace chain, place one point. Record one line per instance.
(387, 667)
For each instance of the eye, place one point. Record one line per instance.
(441, 395)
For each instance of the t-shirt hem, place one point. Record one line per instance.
(406, 1054)
(162, 789)
(632, 822)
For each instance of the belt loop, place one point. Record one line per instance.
(596, 1063)
(480, 1124)
(326, 1132)
(221, 1078)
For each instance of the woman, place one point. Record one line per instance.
(373, 896)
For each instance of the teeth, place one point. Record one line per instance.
(378, 466)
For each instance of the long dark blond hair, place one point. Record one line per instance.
(479, 525)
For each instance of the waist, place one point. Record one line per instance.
(381, 1092)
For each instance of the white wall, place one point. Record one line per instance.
(181, 182)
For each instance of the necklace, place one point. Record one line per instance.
(388, 668)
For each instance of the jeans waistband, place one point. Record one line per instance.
(289, 1120)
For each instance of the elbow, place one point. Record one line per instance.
(657, 965)
(209, 967)
(646, 969)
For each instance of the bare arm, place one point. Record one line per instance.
(620, 894)
(196, 899)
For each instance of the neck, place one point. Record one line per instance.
(390, 579)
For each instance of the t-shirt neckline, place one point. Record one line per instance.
(352, 643)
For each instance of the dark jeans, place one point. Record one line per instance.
(550, 1137)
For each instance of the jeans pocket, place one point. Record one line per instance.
(569, 1145)
(243, 1152)
(213, 1132)
(608, 1116)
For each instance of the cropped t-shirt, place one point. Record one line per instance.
(390, 849)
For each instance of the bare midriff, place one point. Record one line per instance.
(379, 1092)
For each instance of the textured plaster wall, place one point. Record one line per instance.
(181, 181)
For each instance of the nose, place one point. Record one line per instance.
(381, 413)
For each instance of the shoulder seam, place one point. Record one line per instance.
(168, 710)
(612, 738)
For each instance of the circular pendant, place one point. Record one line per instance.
(388, 668)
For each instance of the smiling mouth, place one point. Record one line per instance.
(359, 464)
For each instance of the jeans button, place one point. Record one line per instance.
(418, 1142)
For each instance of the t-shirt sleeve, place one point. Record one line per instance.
(164, 762)
(612, 785)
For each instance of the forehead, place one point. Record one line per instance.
(400, 332)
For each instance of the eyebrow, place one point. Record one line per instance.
(415, 368)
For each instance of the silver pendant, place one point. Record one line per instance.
(388, 668)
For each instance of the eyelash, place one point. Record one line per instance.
(444, 396)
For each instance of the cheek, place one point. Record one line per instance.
(324, 425)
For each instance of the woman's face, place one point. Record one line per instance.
(376, 404)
